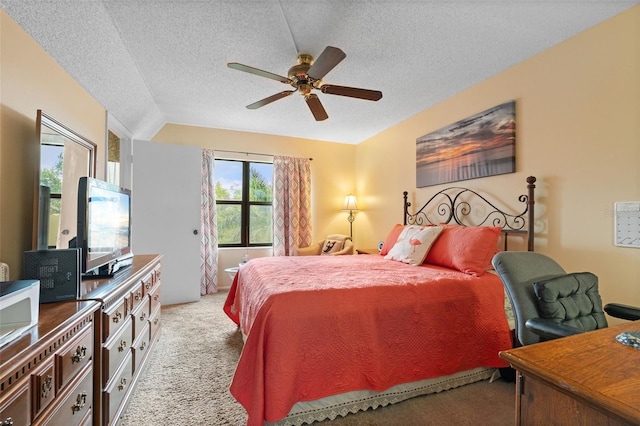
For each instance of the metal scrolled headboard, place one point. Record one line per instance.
(453, 205)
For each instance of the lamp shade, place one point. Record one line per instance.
(350, 203)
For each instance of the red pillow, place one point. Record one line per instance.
(467, 249)
(391, 239)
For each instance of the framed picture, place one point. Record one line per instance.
(479, 146)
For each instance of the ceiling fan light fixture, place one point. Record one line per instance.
(305, 88)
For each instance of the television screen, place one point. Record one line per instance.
(104, 218)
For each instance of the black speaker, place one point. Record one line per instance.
(58, 272)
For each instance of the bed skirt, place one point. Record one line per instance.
(351, 402)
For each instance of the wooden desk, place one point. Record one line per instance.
(585, 379)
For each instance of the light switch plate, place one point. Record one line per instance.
(627, 224)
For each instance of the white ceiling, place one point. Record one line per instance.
(151, 62)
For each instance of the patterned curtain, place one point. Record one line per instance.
(291, 204)
(208, 226)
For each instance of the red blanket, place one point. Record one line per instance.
(323, 325)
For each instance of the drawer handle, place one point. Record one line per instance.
(122, 346)
(81, 400)
(81, 352)
(156, 297)
(143, 345)
(123, 383)
(8, 422)
(155, 321)
(147, 285)
(46, 387)
(117, 316)
(138, 296)
(143, 316)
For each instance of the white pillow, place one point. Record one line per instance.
(331, 246)
(414, 243)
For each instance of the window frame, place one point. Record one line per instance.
(245, 206)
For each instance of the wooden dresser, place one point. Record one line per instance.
(46, 375)
(80, 364)
(128, 327)
(587, 379)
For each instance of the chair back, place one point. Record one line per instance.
(518, 271)
(316, 248)
(348, 243)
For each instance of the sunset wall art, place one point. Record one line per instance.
(478, 146)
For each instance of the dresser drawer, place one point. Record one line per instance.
(141, 347)
(15, 408)
(136, 297)
(140, 318)
(157, 272)
(148, 282)
(114, 394)
(44, 387)
(76, 402)
(154, 322)
(154, 298)
(74, 356)
(113, 319)
(116, 350)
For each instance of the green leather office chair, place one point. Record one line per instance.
(548, 302)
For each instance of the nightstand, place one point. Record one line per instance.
(368, 251)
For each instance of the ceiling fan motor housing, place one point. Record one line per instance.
(299, 77)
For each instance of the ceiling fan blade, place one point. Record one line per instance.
(270, 99)
(352, 92)
(316, 107)
(259, 72)
(328, 59)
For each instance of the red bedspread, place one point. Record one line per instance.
(323, 325)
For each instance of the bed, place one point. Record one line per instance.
(330, 335)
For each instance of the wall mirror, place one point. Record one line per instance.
(65, 156)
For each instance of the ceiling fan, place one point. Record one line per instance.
(306, 76)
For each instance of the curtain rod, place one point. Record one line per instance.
(246, 153)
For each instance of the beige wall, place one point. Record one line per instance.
(332, 168)
(578, 132)
(332, 174)
(30, 80)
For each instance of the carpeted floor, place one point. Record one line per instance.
(187, 379)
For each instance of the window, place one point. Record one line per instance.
(51, 177)
(244, 202)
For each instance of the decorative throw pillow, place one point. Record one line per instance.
(413, 244)
(391, 239)
(331, 246)
(571, 299)
(467, 249)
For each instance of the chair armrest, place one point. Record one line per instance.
(308, 251)
(626, 312)
(550, 329)
(348, 249)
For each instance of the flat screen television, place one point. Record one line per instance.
(104, 226)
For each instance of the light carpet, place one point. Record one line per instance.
(187, 378)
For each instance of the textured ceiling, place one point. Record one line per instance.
(153, 62)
